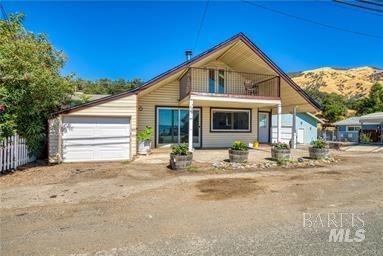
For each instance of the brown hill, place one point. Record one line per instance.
(348, 82)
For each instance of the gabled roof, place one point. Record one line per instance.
(376, 117)
(197, 58)
(349, 121)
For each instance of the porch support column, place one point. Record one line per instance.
(294, 131)
(279, 122)
(190, 125)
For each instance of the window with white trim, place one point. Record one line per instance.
(353, 128)
(230, 120)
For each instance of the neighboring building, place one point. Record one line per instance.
(306, 128)
(372, 124)
(350, 128)
(230, 90)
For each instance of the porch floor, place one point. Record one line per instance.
(262, 154)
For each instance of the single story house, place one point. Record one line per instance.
(226, 93)
(306, 127)
(350, 128)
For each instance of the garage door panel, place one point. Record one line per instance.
(96, 138)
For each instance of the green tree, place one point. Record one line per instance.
(31, 86)
(372, 103)
(334, 105)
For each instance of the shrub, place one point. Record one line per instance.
(365, 138)
(280, 145)
(319, 144)
(146, 134)
(180, 149)
(239, 145)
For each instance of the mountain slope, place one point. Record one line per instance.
(348, 82)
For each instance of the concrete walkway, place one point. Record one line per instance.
(364, 148)
(209, 156)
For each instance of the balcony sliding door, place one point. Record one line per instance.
(216, 81)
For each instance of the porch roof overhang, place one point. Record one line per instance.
(230, 101)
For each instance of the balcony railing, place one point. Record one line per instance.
(231, 83)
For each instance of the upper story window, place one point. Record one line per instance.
(211, 81)
(216, 81)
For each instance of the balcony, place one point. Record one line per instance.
(220, 82)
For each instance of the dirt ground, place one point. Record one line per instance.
(143, 208)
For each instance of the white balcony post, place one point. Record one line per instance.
(279, 122)
(294, 131)
(190, 125)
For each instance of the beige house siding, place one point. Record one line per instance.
(126, 106)
(225, 139)
(166, 95)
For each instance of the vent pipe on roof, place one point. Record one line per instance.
(188, 54)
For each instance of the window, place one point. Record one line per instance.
(230, 120)
(211, 80)
(221, 81)
(353, 128)
(216, 81)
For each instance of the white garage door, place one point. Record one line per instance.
(96, 138)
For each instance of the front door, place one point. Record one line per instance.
(264, 127)
(173, 126)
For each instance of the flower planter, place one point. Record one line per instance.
(179, 162)
(280, 154)
(318, 153)
(144, 147)
(238, 156)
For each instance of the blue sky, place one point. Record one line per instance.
(142, 39)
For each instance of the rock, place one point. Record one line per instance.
(301, 159)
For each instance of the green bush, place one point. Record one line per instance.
(280, 145)
(365, 138)
(319, 144)
(180, 149)
(239, 145)
(146, 134)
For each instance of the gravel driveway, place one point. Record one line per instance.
(143, 209)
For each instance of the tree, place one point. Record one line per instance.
(334, 105)
(31, 86)
(372, 103)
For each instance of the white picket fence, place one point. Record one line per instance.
(14, 153)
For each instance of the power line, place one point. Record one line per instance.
(371, 2)
(201, 24)
(3, 12)
(355, 9)
(358, 6)
(312, 21)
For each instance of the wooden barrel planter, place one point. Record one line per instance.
(318, 153)
(238, 156)
(280, 154)
(180, 162)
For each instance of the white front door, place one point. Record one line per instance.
(264, 127)
(96, 138)
(301, 136)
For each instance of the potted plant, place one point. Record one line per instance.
(318, 149)
(145, 141)
(238, 153)
(180, 157)
(280, 151)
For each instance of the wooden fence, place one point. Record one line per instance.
(14, 153)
